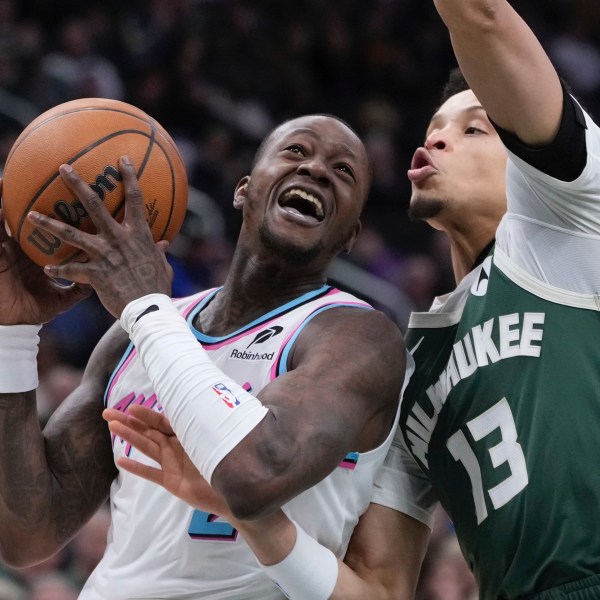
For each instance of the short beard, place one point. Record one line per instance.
(293, 255)
(424, 209)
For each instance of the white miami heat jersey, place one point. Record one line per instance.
(160, 547)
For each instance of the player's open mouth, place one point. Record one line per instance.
(421, 167)
(420, 159)
(302, 203)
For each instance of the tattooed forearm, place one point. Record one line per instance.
(51, 483)
(24, 481)
(84, 470)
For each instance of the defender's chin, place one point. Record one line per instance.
(424, 209)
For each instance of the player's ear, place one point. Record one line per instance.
(241, 192)
(352, 237)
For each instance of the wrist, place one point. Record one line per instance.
(18, 358)
(273, 548)
(138, 308)
(308, 572)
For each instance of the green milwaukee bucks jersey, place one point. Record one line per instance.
(503, 415)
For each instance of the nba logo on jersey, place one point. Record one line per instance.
(480, 285)
(226, 395)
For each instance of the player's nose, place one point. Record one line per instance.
(316, 168)
(438, 139)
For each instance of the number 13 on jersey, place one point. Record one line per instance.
(508, 450)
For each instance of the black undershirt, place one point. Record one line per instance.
(565, 157)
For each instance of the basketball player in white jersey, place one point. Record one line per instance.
(283, 390)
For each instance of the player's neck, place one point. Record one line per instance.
(250, 292)
(468, 252)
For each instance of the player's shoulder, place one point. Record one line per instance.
(363, 327)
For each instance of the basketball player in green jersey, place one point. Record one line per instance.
(502, 411)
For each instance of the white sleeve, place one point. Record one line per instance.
(552, 225)
(401, 484)
(209, 412)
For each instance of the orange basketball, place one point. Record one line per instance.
(90, 134)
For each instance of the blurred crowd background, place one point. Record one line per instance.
(219, 74)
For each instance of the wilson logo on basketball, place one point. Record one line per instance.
(89, 134)
(72, 212)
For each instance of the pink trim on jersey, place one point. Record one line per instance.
(346, 465)
(188, 309)
(273, 374)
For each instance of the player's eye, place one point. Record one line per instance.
(344, 168)
(295, 148)
(473, 130)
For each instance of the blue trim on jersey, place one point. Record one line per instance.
(283, 357)
(351, 458)
(280, 310)
(126, 354)
(201, 305)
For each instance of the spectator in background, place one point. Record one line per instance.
(201, 254)
(75, 70)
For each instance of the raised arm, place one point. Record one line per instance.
(506, 67)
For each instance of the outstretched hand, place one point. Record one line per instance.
(150, 433)
(123, 261)
(27, 295)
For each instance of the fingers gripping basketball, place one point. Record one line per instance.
(90, 134)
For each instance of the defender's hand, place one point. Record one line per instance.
(150, 432)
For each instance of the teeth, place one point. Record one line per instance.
(309, 198)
